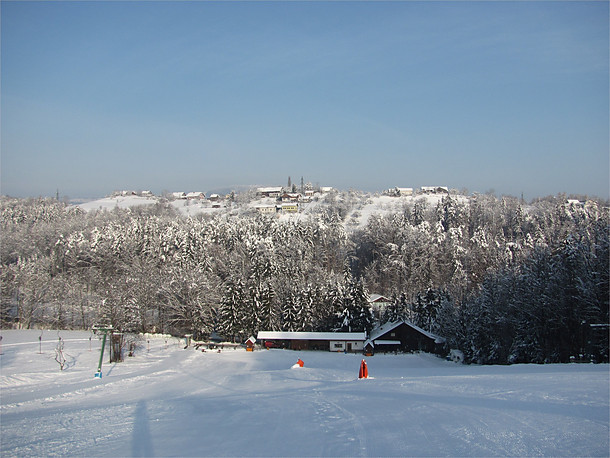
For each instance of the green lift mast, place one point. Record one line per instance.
(105, 330)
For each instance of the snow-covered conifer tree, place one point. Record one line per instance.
(233, 309)
(396, 310)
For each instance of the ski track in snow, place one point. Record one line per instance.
(176, 402)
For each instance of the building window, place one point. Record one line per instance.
(338, 345)
(393, 334)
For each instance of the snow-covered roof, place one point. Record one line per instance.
(387, 342)
(437, 339)
(372, 343)
(288, 335)
(378, 298)
(389, 326)
(383, 329)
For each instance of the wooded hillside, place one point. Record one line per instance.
(502, 280)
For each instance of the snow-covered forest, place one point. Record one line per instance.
(502, 280)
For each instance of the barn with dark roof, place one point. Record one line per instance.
(403, 336)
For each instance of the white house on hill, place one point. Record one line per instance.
(399, 192)
(266, 209)
(195, 196)
(378, 303)
(273, 191)
(434, 189)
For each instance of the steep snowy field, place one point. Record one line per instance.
(167, 401)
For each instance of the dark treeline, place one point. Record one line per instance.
(501, 280)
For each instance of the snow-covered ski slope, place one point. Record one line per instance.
(168, 401)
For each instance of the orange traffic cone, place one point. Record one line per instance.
(364, 371)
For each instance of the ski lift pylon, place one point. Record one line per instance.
(105, 329)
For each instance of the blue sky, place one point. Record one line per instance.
(101, 96)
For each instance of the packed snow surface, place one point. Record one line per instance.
(171, 401)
